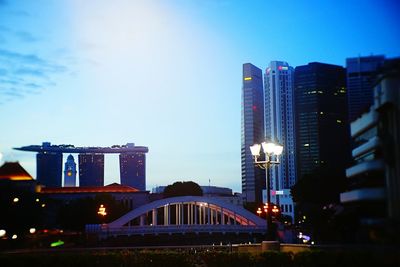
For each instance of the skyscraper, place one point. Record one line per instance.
(253, 178)
(91, 169)
(133, 170)
(49, 168)
(321, 118)
(70, 172)
(360, 77)
(280, 123)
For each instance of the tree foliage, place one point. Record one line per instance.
(77, 213)
(317, 198)
(320, 187)
(183, 189)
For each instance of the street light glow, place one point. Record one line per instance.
(2, 232)
(278, 149)
(255, 150)
(268, 147)
(32, 230)
(15, 200)
(102, 210)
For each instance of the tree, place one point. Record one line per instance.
(317, 201)
(183, 189)
(77, 213)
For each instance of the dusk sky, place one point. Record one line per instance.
(163, 74)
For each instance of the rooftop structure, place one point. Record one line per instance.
(48, 147)
(14, 171)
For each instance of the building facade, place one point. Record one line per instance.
(49, 168)
(280, 123)
(133, 170)
(70, 171)
(360, 77)
(91, 169)
(252, 131)
(321, 119)
(373, 194)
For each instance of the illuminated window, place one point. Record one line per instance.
(247, 78)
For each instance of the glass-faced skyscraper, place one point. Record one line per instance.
(321, 119)
(49, 168)
(280, 122)
(133, 170)
(253, 178)
(360, 78)
(91, 169)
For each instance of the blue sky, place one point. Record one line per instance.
(163, 74)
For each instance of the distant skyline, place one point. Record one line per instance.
(163, 74)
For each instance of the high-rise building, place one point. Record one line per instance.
(280, 123)
(133, 170)
(49, 168)
(373, 193)
(70, 172)
(360, 76)
(321, 118)
(91, 169)
(253, 178)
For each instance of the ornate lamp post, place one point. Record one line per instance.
(271, 151)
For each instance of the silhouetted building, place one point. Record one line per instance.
(91, 169)
(321, 118)
(129, 196)
(133, 170)
(14, 179)
(280, 123)
(70, 172)
(49, 168)
(252, 131)
(373, 194)
(360, 77)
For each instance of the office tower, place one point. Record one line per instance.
(133, 170)
(279, 123)
(91, 169)
(253, 178)
(360, 77)
(321, 118)
(49, 168)
(70, 172)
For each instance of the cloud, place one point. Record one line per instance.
(26, 37)
(25, 73)
(4, 29)
(30, 71)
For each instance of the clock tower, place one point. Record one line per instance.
(70, 172)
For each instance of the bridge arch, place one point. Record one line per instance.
(190, 210)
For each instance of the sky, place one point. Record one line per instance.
(166, 74)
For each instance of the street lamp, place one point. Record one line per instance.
(271, 150)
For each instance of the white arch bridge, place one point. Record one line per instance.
(186, 214)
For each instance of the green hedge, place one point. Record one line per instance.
(205, 259)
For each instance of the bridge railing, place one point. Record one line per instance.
(173, 229)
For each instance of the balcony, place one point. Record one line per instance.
(364, 194)
(371, 145)
(367, 166)
(362, 124)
